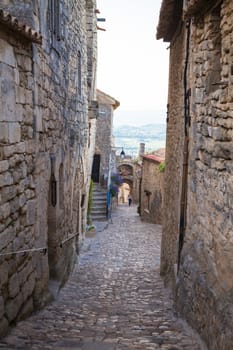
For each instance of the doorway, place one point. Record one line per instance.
(96, 168)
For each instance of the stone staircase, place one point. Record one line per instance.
(99, 203)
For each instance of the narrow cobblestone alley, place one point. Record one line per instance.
(115, 300)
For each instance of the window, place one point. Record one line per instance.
(54, 19)
(148, 200)
(61, 187)
(79, 74)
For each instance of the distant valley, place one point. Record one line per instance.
(129, 137)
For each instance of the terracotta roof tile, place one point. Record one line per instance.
(153, 157)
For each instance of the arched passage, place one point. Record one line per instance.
(126, 171)
(124, 191)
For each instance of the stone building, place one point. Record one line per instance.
(197, 242)
(47, 115)
(104, 143)
(151, 196)
(104, 160)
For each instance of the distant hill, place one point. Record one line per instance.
(129, 137)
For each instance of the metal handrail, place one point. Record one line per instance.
(43, 249)
(68, 239)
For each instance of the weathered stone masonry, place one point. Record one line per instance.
(151, 197)
(46, 91)
(203, 250)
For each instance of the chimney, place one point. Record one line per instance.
(141, 149)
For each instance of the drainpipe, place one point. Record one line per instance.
(187, 94)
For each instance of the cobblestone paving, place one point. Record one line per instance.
(115, 300)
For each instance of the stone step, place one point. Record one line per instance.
(100, 209)
(99, 204)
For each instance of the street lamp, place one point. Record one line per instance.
(122, 154)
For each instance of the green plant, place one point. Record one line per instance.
(90, 228)
(116, 181)
(162, 167)
(90, 203)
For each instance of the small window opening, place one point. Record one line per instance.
(61, 187)
(54, 19)
(79, 74)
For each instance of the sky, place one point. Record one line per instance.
(132, 64)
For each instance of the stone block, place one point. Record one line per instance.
(3, 272)
(4, 166)
(30, 132)
(13, 306)
(13, 285)
(28, 287)
(19, 241)
(25, 272)
(26, 310)
(20, 113)
(7, 55)
(14, 205)
(24, 62)
(28, 96)
(4, 211)
(20, 148)
(6, 179)
(22, 185)
(217, 133)
(17, 80)
(3, 327)
(223, 150)
(30, 146)
(30, 194)
(20, 172)
(15, 160)
(199, 96)
(20, 95)
(31, 211)
(14, 132)
(38, 119)
(8, 151)
(3, 132)
(22, 200)
(7, 92)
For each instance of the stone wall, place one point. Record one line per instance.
(204, 284)
(137, 181)
(206, 270)
(44, 135)
(151, 203)
(174, 160)
(104, 137)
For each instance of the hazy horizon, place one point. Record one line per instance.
(138, 117)
(129, 137)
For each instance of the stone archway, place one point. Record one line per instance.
(126, 171)
(124, 191)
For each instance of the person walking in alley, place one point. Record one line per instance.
(129, 200)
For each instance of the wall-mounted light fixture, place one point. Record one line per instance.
(122, 154)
